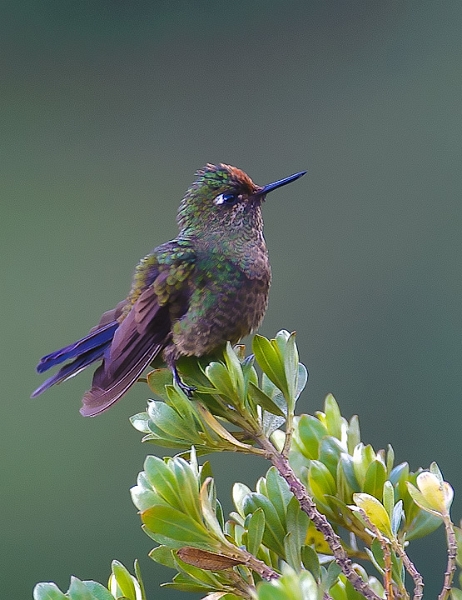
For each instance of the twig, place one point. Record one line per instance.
(288, 436)
(258, 566)
(452, 553)
(410, 568)
(319, 520)
(387, 578)
(385, 545)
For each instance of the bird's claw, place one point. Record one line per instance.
(188, 390)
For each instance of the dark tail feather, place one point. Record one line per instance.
(71, 369)
(97, 339)
(136, 343)
(99, 399)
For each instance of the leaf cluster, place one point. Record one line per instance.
(330, 458)
(327, 499)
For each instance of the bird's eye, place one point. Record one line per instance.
(228, 198)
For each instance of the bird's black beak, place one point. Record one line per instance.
(277, 184)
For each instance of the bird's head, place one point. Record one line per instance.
(223, 199)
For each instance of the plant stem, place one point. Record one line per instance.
(452, 553)
(385, 545)
(258, 566)
(410, 568)
(289, 431)
(319, 520)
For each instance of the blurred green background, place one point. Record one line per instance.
(108, 108)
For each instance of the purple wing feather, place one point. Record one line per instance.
(138, 340)
(126, 346)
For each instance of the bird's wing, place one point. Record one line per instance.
(160, 294)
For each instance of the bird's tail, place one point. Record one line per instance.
(86, 351)
(125, 348)
(138, 340)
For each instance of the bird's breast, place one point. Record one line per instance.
(225, 304)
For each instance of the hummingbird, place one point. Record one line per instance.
(188, 297)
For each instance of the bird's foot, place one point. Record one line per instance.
(186, 389)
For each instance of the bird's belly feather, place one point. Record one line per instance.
(219, 313)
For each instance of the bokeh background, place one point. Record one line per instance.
(108, 108)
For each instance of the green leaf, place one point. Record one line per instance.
(354, 433)
(309, 434)
(301, 380)
(292, 552)
(207, 510)
(162, 479)
(164, 556)
(375, 512)
(333, 571)
(456, 594)
(263, 400)
(78, 590)
(338, 591)
(374, 479)
(269, 358)
(333, 417)
(388, 498)
(290, 586)
(297, 527)
(225, 435)
(277, 490)
(435, 470)
(188, 486)
(273, 536)
(185, 409)
(165, 422)
(297, 521)
(174, 525)
(346, 464)
(98, 591)
(330, 451)
(433, 494)
(140, 422)
(398, 477)
(362, 458)
(422, 525)
(142, 496)
(184, 585)
(220, 378)
(390, 458)
(344, 491)
(288, 350)
(139, 579)
(48, 591)
(310, 561)
(158, 379)
(397, 517)
(124, 580)
(191, 575)
(271, 423)
(235, 372)
(320, 481)
(255, 530)
(351, 593)
(240, 493)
